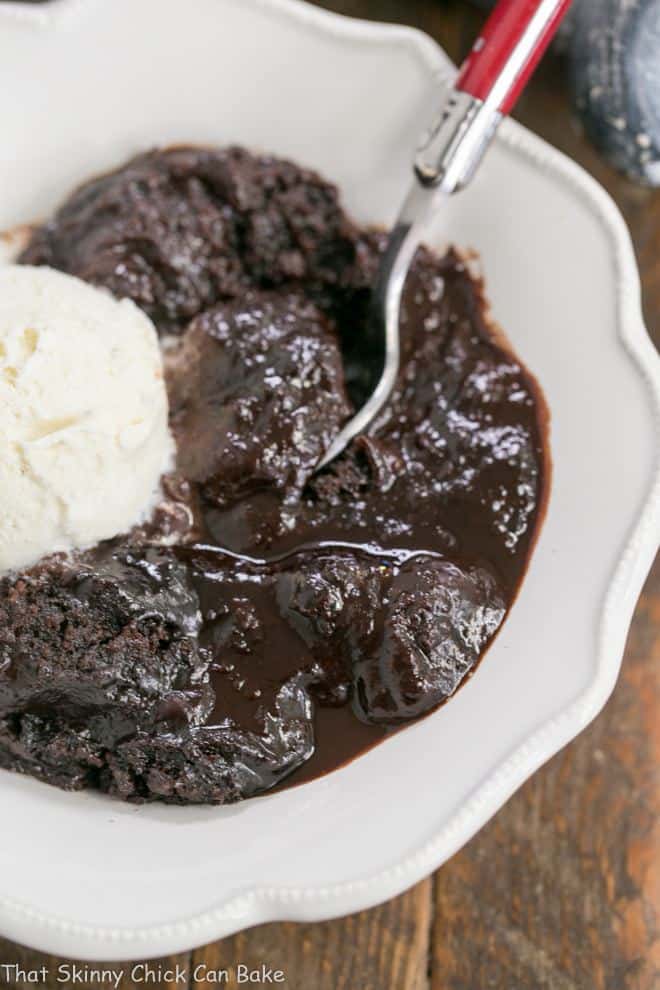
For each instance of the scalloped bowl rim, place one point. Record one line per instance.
(263, 904)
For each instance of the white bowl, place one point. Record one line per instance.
(85, 83)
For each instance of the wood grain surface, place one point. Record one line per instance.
(561, 890)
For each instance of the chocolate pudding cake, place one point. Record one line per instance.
(268, 623)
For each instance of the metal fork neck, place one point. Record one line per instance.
(456, 143)
(445, 163)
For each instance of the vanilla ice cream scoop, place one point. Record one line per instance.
(84, 438)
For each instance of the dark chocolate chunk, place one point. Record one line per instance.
(437, 621)
(256, 395)
(216, 764)
(106, 645)
(178, 230)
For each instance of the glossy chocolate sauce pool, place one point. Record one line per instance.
(270, 624)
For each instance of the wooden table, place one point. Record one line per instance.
(560, 891)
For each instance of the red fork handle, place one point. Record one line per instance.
(508, 50)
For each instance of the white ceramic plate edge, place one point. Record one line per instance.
(62, 936)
